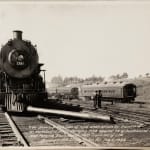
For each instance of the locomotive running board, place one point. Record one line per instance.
(81, 115)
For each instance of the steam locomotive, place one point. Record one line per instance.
(22, 88)
(21, 82)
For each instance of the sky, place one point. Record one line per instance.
(83, 38)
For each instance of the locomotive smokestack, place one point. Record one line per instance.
(17, 35)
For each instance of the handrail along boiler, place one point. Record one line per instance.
(20, 81)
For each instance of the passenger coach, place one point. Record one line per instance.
(122, 91)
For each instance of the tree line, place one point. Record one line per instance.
(93, 79)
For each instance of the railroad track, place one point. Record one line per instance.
(42, 131)
(55, 131)
(120, 114)
(103, 134)
(38, 130)
(140, 112)
(89, 133)
(9, 134)
(126, 115)
(33, 130)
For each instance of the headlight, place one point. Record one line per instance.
(18, 59)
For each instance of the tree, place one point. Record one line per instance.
(113, 77)
(124, 75)
(94, 79)
(72, 80)
(118, 76)
(147, 74)
(57, 80)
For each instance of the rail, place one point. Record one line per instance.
(16, 131)
(71, 134)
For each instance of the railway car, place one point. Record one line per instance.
(122, 91)
(65, 92)
(21, 82)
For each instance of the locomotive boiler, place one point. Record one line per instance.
(20, 81)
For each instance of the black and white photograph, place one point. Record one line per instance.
(75, 74)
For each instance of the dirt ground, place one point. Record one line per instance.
(123, 133)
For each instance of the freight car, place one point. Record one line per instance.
(121, 91)
(20, 81)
